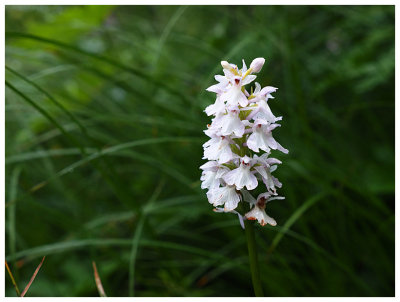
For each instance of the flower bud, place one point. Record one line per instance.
(226, 65)
(257, 64)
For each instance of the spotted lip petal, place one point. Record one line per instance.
(231, 124)
(218, 149)
(258, 140)
(226, 196)
(217, 108)
(210, 165)
(234, 96)
(259, 214)
(241, 177)
(209, 180)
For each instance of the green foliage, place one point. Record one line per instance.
(104, 120)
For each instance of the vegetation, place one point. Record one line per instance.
(104, 120)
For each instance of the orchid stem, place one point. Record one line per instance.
(251, 246)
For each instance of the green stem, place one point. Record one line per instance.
(251, 245)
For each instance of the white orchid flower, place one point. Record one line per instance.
(224, 196)
(258, 211)
(242, 176)
(261, 138)
(218, 148)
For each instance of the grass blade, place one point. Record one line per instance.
(11, 213)
(13, 280)
(295, 216)
(58, 104)
(97, 279)
(60, 247)
(106, 151)
(167, 30)
(33, 277)
(38, 108)
(136, 238)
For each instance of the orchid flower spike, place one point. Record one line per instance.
(240, 144)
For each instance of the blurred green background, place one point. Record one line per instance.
(104, 119)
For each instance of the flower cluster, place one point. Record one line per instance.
(240, 144)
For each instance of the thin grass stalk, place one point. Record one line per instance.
(97, 279)
(33, 277)
(13, 280)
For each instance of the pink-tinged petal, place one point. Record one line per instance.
(275, 198)
(221, 172)
(234, 96)
(252, 142)
(209, 180)
(216, 89)
(229, 94)
(241, 177)
(266, 177)
(218, 149)
(268, 90)
(264, 158)
(259, 214)
(280, 148)
(271, 141)
(230, 177)
(221, 79)
(226, 156)
(210, 165)
(224, 196)
(265, 195)
(241, 220)
(265, 112)
(252, 183)
(276, 182)
(231, 123)
(242, 100)
(272, 127)
(258, 140)
(217, 108)
(244, 68)
(248, 79)
(228, 73)
(211, 132)
(215, 196)
(232, 200)
(211, 141)
(273, 161)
